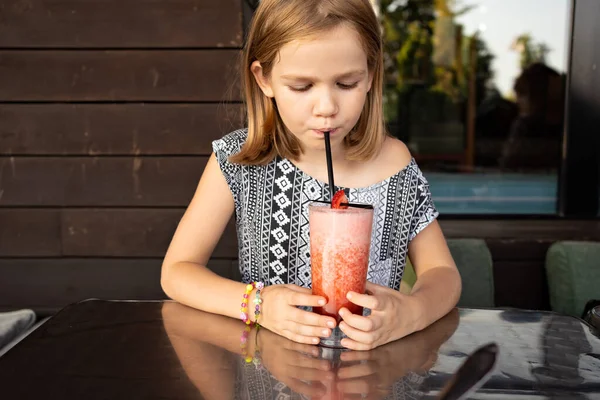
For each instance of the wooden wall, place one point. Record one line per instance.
(107, 111)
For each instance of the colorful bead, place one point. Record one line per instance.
(244, 306)
(257, 300)
(244, 343)
(257, 358)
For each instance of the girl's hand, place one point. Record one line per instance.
(393, 316)
(280, 314)
(374, 372)
(296, 365)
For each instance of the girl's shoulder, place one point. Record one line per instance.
(395, 149)
(393, 158)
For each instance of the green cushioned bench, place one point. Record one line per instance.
(573, 271)
(474, 262)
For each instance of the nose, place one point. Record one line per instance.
(325, 104)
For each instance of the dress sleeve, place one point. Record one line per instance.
(424, 211)
(223, 149)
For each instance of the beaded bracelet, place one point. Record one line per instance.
(244, 344)
(244, 310)
(255, 359)
(257, 301)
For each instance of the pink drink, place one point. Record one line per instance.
(340, 240)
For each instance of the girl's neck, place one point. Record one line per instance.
(319, 157)
(314, 163)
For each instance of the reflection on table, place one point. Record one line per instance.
(134, 350)
(284, 369)
(541, 355)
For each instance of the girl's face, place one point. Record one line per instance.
(319, 84)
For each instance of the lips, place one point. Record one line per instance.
(330, 130)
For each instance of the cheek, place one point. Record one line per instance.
(290, 106)
(356, 103)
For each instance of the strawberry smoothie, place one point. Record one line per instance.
(340, 240)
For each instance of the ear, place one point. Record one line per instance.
(262, 81)
(370, 81)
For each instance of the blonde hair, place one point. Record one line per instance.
(278, 22)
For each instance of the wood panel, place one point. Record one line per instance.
(519, 249)
(519, 272)
(47, 285)
(118, 233)
(96, 233)
(128, 233)
(529, 229)
(130, 75)
(117, 23)
(96, 181)
(115, 129)
(33, 233)
(521, 284)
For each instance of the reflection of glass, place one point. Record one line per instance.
(208, 348)
(475, 88)
(540, 353)
(333, 357)
(340, 240)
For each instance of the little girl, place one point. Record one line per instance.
(311, 66)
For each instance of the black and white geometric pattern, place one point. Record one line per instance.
(271, 209)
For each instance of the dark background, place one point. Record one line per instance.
(107, 113)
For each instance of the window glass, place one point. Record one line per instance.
(476, 88)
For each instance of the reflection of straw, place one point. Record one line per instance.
(329, 165)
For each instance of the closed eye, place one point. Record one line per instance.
(348, 86)
(300, 88)
(305, 88)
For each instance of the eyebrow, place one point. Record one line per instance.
(359, 72)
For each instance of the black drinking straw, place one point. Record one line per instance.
(355, 205)
(329, 166)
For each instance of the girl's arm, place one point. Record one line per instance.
(438, 286)
(184, 276)
(203, 327)
(186, 279)
(206, 345)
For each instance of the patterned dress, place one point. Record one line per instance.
(271, 211)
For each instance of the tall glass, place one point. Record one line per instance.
(340, 240)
